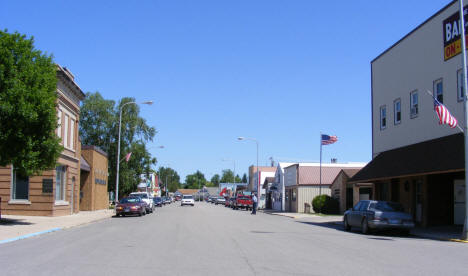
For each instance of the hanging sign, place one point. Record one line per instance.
(452, 34)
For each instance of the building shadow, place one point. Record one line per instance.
(13, 222)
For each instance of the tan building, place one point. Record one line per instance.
(56, 191)
(349, 194)
(94, 177)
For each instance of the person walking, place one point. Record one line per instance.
(255, 201)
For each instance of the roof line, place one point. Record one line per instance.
(414, 30)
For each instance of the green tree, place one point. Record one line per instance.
(227, 177)
(238, 179)
(173, 178)
(244, 178)
(99, 127)
(215, 180)
(28, 115)
(195, 181)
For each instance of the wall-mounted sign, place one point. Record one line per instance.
(100, 181)
(452, 34)
(47, 186)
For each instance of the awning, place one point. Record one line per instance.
(84, 166)
(440, 155)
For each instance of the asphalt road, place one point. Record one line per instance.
(214, 240)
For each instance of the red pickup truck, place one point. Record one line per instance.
(243, 201)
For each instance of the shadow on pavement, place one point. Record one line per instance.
(13, 222)
(383, 235)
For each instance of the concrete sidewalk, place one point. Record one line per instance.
(18, 227)
(443, 233)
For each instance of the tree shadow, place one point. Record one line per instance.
(13, 222)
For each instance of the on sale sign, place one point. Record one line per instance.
(452, 34)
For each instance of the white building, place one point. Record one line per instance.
(416, 161)
(278, 199)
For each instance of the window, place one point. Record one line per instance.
(65, 132)
(364, 206)
(72, 133)
(414, 104)
(60, 182)
(460, 82)
(383, 117)
(397, 111)
(438, 90)
(20, 186)
(59, 129)
(357, 206)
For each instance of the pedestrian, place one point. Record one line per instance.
(254, 207)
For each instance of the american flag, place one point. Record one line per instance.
(444, 115)
(327, 139)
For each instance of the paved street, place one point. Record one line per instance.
(214, 240)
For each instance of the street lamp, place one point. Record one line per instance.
(258, 177)
(118, 148)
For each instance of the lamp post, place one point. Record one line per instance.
(258, 176)
(118, 148)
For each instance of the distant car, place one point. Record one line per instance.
(157, 201)
(146, 198)
(220, 200)
(377, 215)
(187, 200)
(130, 206)
(167, 200)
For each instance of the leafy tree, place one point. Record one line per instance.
(227, 177)
(215, 180)
(195, 181)
(28, 115)
(100, 125)
(173, 178)
(244, 178)
(238, 179)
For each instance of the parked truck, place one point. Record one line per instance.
(243, 202)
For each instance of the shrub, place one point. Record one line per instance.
(325, 204)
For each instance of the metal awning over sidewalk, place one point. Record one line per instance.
(442, 155)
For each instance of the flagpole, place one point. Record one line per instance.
(463, 46)
(320, 187)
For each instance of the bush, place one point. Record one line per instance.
(325, 204)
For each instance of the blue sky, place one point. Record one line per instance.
(277, 71)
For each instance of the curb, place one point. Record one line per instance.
(30, 235)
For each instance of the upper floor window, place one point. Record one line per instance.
(20, 186)
(383, 117)
(438, 90)
(59, 129)
(414, 104)
(460, 83)
(397, 111)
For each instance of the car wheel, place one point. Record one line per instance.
(365, 227)
(347, 227)
(140, 214)
(123, 215)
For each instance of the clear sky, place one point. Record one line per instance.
(277, 71)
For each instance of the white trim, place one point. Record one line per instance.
(19, 201)
(61, 203)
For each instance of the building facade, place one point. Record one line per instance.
(416, 161)
(56, 191)
(94, 179)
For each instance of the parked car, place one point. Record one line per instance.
(187, 200)
(167, 200)
(146, 198)
(377, 215)
(157, 201)
(130, 206)
(219, 200)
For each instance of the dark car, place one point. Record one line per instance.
(377, 215)
(157, 201)
(131, 206)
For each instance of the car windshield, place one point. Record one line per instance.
(139, 195)
(130, 200)
(188, 197)
(387, 206)
(156, 198)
